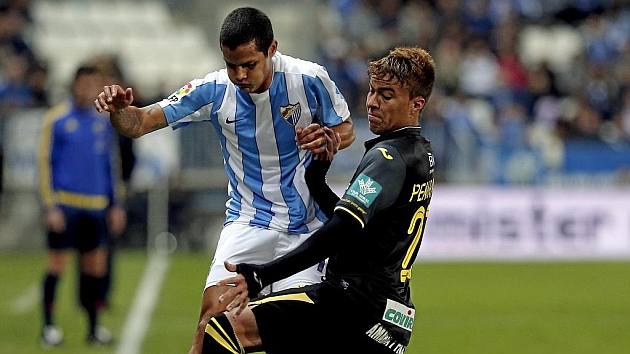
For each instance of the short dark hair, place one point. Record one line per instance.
(412, 67)
(246, 24)
(85, 70)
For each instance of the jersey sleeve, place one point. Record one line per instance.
(45, 151)
(333, 106)
(194, 101)
(376, 184)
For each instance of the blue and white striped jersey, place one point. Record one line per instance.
(264, 165)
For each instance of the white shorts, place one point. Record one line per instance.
(242, 243)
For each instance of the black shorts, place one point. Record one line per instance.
(315, 319)
(85, 231)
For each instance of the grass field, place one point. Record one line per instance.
(481, 308)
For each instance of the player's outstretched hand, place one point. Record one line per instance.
(243, 286)
(311, 138)
(113, 98)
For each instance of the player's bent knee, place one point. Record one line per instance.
(220, 338)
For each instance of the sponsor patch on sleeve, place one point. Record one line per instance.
(364, 189)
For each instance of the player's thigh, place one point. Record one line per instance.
(294, 326)
(241, 243)
(290, 323)
(94, 262)
(64, 240)
(58, 259)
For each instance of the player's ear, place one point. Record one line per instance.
(272, 48)
(418, 103)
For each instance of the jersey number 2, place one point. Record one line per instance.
(417, 224)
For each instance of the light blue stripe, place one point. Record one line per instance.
(289, 158)
(315, 90)
(246, 131)
(202, 95)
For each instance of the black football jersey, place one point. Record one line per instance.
(389, 195)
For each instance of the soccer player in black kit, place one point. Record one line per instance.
(363, 304)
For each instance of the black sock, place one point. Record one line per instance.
(90, 291)
(50, 289)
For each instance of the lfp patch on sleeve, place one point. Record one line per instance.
(183, 91)
(364, 189)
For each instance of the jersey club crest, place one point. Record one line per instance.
(291, 113)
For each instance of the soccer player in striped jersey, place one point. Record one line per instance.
(269, 110)
(363, 305)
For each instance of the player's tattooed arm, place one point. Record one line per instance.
(128, 120)
(125, 121)
(134, 122)
(155, 111)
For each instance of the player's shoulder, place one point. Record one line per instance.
(293, 65)
(384, 153)
(219, 77)
(405, 144)
(198, 86)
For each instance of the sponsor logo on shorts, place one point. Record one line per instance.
(399, 315)
(364, 189)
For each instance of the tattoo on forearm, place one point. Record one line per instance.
(153, 108)
(125, 121)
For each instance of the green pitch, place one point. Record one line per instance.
(484, 308)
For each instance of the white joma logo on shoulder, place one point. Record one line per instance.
(366, 187)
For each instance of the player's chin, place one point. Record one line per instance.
(375, 128)
(246, 88)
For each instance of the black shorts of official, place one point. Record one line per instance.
(85, 231)
(309, 320)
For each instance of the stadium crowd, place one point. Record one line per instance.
(505, 106)
(509, 102)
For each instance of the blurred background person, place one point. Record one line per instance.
(81, 188)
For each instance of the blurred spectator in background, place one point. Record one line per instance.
(17, 67)
(14, 17)
(82, 193)
(15, 90)
(37, 81)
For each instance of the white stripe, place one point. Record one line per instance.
(137, 321)
(269, 158)
(27, 300)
